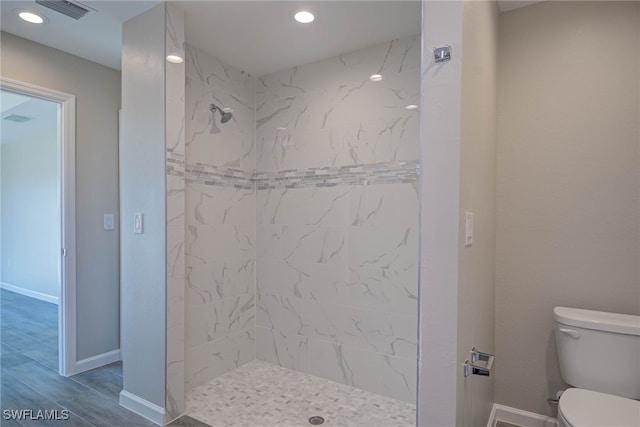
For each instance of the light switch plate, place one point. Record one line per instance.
(468, 235)
(137, 223)
(109, 222)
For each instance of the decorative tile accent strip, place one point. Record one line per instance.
(364, 174)
(220, 176)
(175, 163)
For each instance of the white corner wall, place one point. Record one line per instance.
(439, 197)
(97, 92)
(458, 175)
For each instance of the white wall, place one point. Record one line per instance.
(97, 91)
(439, 215)
(568, 187)
(31, 213)
(458, 159)
(143, 190)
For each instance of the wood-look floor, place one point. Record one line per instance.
(29, 373)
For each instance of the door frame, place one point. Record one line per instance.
(67, 187)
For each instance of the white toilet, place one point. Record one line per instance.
(599, 354)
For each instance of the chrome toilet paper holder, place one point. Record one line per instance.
(480, 364)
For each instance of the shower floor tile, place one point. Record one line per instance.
(260, 394)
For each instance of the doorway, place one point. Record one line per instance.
(38, 223)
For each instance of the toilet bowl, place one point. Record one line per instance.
(586, 408)
(599, 355)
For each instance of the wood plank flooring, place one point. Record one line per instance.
(30, 380)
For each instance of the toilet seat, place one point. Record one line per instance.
(586, 408)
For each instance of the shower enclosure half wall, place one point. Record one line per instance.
(292, 228)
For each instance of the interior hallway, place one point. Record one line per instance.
(30, 380)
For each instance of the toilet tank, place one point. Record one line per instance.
(599, 351)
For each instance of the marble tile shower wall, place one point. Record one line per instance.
(309, 192)
(337, 258)
(220, 219)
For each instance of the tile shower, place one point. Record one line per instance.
(301, 219)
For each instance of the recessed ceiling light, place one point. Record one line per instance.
(376, 77)
(31, 17)
(411, 107)
(175, 59)
(304, 17)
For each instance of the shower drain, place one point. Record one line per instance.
(316, 420)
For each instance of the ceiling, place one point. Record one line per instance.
(43, 115)
(96, 37)
(261, 37)
(256, 36)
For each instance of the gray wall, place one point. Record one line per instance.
(142, 186)
(97, 91)
(30, 217)
(477, 195)
(567, 184)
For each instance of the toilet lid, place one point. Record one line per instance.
(585, 408)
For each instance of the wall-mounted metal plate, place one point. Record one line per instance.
(442, 54)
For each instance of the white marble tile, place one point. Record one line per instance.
(207, 281)
(175, 111)
(289, 351)
(268, 311)
(268, 241)
(386, 333)
(175, 370)
(209, 141)
(216, 320)
(393, 291)
(388, 58)
(309, 244)
(326, 206)
(206, 70)
(212, 359)
(211, 205)
(298, 149)
(268, 205)
(399, 378)
(175, 201)
(378, 205)
(386, 247)
(222, 242)
(175, 251)
(175, 301)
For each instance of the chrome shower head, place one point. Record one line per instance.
(225, 116)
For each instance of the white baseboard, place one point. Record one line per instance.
(519, 417)
(142, 407)
(29, 293)
(97, 361)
